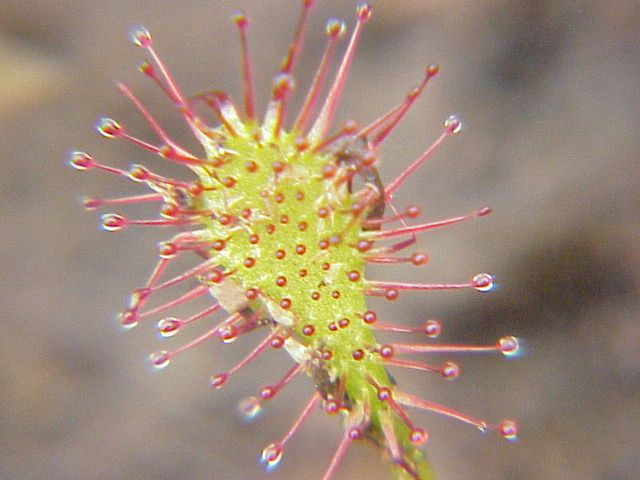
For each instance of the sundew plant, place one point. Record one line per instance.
(281, 213)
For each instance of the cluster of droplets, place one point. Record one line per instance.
(285, 250)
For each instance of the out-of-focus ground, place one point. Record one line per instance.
(548, 91)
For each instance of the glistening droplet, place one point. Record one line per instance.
(272, 455)
(483, 282)
(169, 326)
(452, 125)
(250, 407)
(160, 359)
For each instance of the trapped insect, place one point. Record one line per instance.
(281, 216)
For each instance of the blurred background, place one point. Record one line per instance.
(548, 92)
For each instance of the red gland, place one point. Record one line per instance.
(386, 351)
(433, 70)
(452, 125)
(146, 68)
(241, 20)
(138, 173)
(384, 394)
(81, 161)
(225, 219)
(267, 393)
(218, 245)
(128, 319)
(391, 294)
(169, 210)
(228, 334)
(108, 127)
(332, 406)
(329, 170)
(160, 359)
(217, 381)
(141, 37)
(353, 276)
(167, 250)
(368, 159)
(412, 211)
(450, 371)
(249, 262)
(364, 12)
(508, 429)
(229, 182)
(272, 454)
(370, 317)
(419, 259)
(335, 28)
(195, 189)
(483, 282)
(301, 143)
(418, 436)
(285, 303)
(509, 346)
(278, 166)
(323, 212)
(112, 222)
(343, 322)
(169, 326)
(432, 328)
(282, 84)
(92, 203)
(364, 245)
(215, 276)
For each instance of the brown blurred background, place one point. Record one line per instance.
(548, 91)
